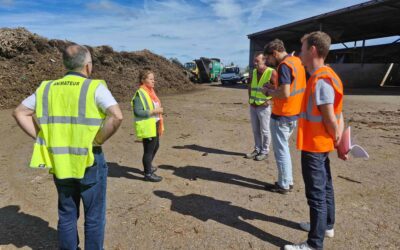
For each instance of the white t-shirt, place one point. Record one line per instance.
(103, 99)
(156, 105)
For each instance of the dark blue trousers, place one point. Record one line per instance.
(92, 190)
(320, 196)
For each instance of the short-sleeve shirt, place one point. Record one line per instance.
(284, 74)
(103, 98)
(324, 93)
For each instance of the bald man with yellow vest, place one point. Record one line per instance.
(260, 107)
(75, 115)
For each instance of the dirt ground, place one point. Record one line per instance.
(211, 197)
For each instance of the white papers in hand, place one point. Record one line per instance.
(355, 150)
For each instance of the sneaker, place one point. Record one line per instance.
(330, 233)
(300, 246)
(290, 186)
(252, 154)
(279, 189)
(261, 157)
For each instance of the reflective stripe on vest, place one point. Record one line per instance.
(81, 119)
(63, 150)
(40, 141)
(146, 106)
(332, 78)
(145, 100)
(294, 91)
(65, 142)
(312, 135)
(291, 105)
(68, 150)
(308, 115)
(256, 95)
(145, 127)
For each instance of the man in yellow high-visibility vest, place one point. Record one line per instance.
(75, 115)
(260, 107)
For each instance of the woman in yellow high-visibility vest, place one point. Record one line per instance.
(148, 122)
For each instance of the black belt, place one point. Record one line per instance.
(97, 150)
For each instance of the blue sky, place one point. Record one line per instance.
(172, 28)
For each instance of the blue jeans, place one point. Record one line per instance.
(281, 132)
(320, 196)
(92, 190)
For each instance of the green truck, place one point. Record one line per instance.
(205, 69)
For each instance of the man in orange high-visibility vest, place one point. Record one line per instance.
(287, 98)
(319, 132)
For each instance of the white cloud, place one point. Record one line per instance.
(173, 28)
(111, 8)
(257, 10)
(226, 9)
(172, 6)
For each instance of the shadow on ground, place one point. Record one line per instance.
(24, 230)
(206, 208)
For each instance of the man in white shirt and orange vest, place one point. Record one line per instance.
(319, 132)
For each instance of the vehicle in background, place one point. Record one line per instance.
(245, 78)
(192, 68)
(204, 69)
(231, 75)
(215, 69)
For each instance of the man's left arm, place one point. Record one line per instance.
(330, 121)
(342, 155)
(274, 79)
(249, 86)
(24, 117)
(324, 98)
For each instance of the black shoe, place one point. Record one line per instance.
(290, 186)
(153, 178)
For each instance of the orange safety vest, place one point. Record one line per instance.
(291, 106)
(312, 135)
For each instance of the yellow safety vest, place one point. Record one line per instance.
(144, 127)
(69, 120)
(256, 96)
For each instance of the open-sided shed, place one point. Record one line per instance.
(361, 22)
